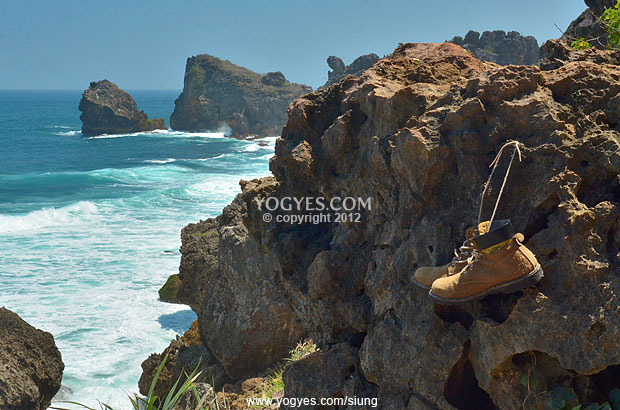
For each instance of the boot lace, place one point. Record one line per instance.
(517, 150)
(461, 254)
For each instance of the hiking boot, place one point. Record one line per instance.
(424, 276)
(500, 263)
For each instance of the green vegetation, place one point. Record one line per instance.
(151, 401)
(207, 234)
(303, 349)
(197, 75)
(171, 288)
(580, 44)
(274, 382)
(611, 20)
(559, 398)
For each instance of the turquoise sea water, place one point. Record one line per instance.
(90, 229)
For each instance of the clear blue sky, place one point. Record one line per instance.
(140, 44)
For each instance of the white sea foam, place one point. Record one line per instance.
(252, 147)
(68, 133)
(162, 133)
(47, 217)
(89, 272)
(160, 161)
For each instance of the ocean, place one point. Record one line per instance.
(90, 230)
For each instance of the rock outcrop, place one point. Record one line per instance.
(219, 95)
(106, 109)
(416, 133)
(30, 365)
(588, 24)
(356, 68)
(185, 354)
(501, 47)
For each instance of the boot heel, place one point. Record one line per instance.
(530, 280)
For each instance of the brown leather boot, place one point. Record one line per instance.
(500, 263)
(424, 276)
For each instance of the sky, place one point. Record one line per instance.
(144, 44)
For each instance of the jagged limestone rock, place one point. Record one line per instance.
(30, 364)
(416, 133)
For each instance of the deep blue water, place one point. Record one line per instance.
(89, 229)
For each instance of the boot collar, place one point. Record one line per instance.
(498, 236)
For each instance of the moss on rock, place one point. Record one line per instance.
(168, 292)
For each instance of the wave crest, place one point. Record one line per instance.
(46, 217)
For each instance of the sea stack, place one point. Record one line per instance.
(31, 365)
(106, 109)
(219, 95)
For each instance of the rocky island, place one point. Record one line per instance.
(106, 109)
(422, 122)
(219, 95)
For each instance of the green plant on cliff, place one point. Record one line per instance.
(580, 44)
(197, 76)
(152, 401)
(611, 20)
(171, 288)
(274, 383)
(303, 349)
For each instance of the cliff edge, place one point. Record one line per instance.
(416, 134)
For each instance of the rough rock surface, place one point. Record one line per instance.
(501, 48)
(588, 25)
(30, 365)
(106, 109)
(335, 373)
(219, 95)
(416, 133)
(199, 249)
(339, 69)
(184, 355)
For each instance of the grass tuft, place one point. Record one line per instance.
(151, 401)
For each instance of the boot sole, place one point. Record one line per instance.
(511, 286)
(420, 284)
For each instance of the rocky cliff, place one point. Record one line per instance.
(106, 109)
(339, 69)
(501, 47)
(219, 95)
(416, 133)
(30, 365)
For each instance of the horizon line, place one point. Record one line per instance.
(82, 90)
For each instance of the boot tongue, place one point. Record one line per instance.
(483, 227)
